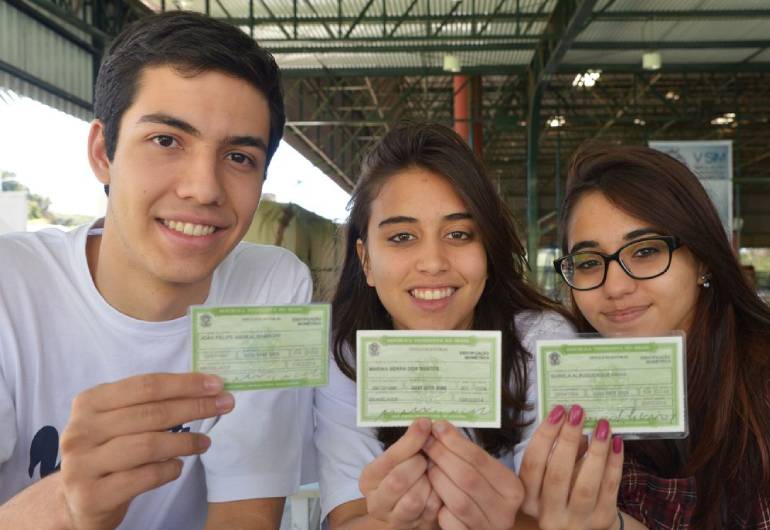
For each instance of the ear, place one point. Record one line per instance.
(363, 257)
(703, 274)
(97, 153)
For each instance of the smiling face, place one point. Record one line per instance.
(623, 305)
(423, 253)
(184, 182)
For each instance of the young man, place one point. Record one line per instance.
(94, 341)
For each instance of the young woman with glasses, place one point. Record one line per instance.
(431, 245)
(646, 253)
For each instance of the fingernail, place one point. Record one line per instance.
(204, 442)
(575, 415)
(617, 445)
(556, 414)
(423, 424)
(213, 383)
(602, 430)
(439, 427)
(225, 402)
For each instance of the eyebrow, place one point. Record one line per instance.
(397, 219)
(171, 121)
(630, 236)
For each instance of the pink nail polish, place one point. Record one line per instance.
(617, 445)
(575, 415)
(556, 414)
(602, 430)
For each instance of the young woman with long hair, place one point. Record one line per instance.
(431, 245)
(646, 253)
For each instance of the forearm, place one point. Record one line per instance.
(252, 514)
(41, 506)
(367, 522)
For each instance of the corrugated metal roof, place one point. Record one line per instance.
(675, 30)
(36, 50)
(17, 87)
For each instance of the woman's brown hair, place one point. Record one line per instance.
(356, 305)
(728, 345)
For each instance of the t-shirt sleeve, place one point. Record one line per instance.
(9, 435)
(257, 450)
(303, 292)
(532, 327)
(343, 449)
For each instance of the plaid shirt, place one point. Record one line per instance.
(669, 503)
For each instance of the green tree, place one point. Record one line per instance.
(37, 204)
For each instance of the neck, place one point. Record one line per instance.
(134, 294)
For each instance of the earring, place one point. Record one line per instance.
(705, 281)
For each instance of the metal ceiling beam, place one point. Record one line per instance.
(71, 19)
(567, 20)
(320, 152)
(52, 25)
(505, 69)
(508, 16)
(688, 14)
(376, 45)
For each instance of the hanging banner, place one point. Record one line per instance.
(712, 162)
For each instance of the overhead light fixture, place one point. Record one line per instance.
(451, 63)
(651, 61)
(727, 118)
(557, 121)
(640, 122)
(588, 79)
(672, 96)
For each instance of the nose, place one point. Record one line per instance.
(617, 283)
(433, 258)
(200, 180)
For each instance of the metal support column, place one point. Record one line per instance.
(564, 25)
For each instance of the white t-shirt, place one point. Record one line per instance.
(344, 449)
(58, 337)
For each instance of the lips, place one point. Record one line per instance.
(626, 314)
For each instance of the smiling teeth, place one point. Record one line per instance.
(432, 294)
(189, 229)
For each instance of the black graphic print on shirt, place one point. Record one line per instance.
(44, 450)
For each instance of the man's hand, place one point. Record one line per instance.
(117, 443)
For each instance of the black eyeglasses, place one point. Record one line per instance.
(642, 259)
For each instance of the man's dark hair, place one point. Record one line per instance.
(192, 43)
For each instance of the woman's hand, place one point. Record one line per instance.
(477, 491)
(563, 490)
(395, 485)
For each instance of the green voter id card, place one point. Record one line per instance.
(449, 375)
(638, 384)
(262, 347)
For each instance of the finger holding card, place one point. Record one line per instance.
(563, 489)
(477, 490)
(396, 488)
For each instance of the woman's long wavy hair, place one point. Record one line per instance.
(728, 345)
(356, 305)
